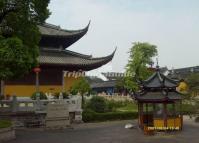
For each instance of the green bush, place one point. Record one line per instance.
(97, 104)
(5, 124)
(42, 96)
(112, 105)
(188, 109)
(65, 95)
(197, 119)
(91, 116)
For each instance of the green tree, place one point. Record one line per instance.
(81, 86)
(19, 35)
(140, 59)
(193, 84)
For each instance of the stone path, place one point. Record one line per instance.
(107, 132)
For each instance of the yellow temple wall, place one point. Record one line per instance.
(28, 90)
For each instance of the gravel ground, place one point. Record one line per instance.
(106, 132)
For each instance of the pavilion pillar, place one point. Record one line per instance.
(147, 116)
(2, 87)
(165, 114)
(141, 114)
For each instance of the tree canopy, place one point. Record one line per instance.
(193, 83)
(141, 57)
(19, 35)
(81, 86)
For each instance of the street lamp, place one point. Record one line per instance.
(37, 70)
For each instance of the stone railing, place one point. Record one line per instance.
(29, 105)
(117, 97)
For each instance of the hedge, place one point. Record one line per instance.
(5, 124)
(91, 116)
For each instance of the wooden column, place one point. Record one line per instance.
(147, 116)
(141, 115)
(165, 114)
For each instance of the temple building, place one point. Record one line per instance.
(159, 104)
(54, 58)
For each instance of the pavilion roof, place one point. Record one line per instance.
(71, 60)
(159, 80)
(158, 96)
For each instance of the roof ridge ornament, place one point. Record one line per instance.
(157, 64)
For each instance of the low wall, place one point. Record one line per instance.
(7, 134)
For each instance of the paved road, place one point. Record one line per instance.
(108, 132)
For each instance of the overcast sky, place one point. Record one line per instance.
(172, 25)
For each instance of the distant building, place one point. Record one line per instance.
(108, 87)
(183, 73)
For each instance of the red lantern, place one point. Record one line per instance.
(37, 70)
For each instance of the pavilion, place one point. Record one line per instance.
(53, 59)
(159, 104)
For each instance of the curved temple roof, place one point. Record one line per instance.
(55, 37)
(71, 60)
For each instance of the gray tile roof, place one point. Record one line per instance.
(104, 84)
(69, 58)
(159, 96)
(159, 80)
(53, 30)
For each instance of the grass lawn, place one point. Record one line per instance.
(5, 124)
(128, 107)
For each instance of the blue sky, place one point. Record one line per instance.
(172, 25)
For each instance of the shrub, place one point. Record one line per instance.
(197, 119)
(188, 109)
(65, 95)
(5, 123)
(91, 116)
(97, 104)
(42, 96)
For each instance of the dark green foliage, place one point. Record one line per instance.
(41, 95)
(97, 104)
(65, 95)
(91, 116)
(193, 83)
(197, 119)
(5, 124)
(19, 35)
(14, 58)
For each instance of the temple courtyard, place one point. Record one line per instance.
(107, 132)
